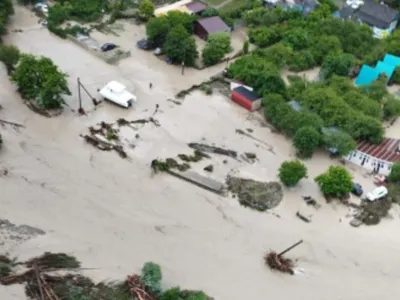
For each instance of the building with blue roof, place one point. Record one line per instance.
(386, 67)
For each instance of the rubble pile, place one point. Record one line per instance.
(278, 262)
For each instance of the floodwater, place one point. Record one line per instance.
(114, 214)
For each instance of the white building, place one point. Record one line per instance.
(376, 158)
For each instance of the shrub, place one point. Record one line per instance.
(151, 277)
(9, 55)
(394, 175)
(246, 47)
(291, 172)
(336, 182)
(306, 140)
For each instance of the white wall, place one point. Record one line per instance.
(370, 163)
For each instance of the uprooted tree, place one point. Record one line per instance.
(40, 80)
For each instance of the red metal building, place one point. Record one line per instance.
(246, 98)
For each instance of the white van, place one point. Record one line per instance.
(117, 93)
(377, 193)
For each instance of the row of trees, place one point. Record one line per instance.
(335, 182)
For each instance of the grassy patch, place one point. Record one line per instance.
(231, 6)
(214, 2)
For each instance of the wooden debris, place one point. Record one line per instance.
(213, 149)
(276, 262)
(303, 218)
(209, 168)
(4, 122)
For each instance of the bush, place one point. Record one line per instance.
(336, 182)
(9, 55)
(391, 107)
(146, 8)
(57, 14)
(151, 277)
(209, 12)
(264, 36)
(218, 44)
(291, 172)
(245, 47)
(394, 175)
(306, 140)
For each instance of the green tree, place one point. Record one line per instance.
(297, 38)
(6, 10)
(218, 44)
(151, 277)
(339, 64)
(326, 44)
(377, 90)
(291, 172)
(180, 46)
(9, 56)
(210, 12)
(157, 30)
(391, 107)
(306, 140)
(40, 80)
(264, 36)
(336, 182)
(359, 101)
(146, 9)
(301, 61)
(278, 54)
(177, 18)
(340, 141)
(394, 175)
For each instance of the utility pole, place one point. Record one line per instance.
(81, 111)
(290, 248)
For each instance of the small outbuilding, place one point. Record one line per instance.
(196, 8)
(206, 26)
(246, 98)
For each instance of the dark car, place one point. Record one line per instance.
(108, 47)
(357, 189)
(144, 44)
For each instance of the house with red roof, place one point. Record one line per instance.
(376, 158)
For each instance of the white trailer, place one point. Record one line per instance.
(117, 93)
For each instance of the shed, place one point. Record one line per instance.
(196, 8)
(246, 98)
(205, 26)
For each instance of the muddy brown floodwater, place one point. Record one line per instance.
(113, 214)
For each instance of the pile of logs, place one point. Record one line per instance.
(276, 261)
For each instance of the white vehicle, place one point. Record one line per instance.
(117, 93)
(377, 193)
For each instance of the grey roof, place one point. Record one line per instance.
(375, 14)
(311, 3)
(346, 12)
(196, 7)
(213, 24)
(249, 95)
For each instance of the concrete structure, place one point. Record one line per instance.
(246, 98)
(376, 158)
(206, 26)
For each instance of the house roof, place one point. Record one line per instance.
(379, 15)
(387, 150)
(346, 12)
(384, 68)
(249, 95)
(391, 60)
(367, 75)
(311, 3)
(213, 24)
(196, 7)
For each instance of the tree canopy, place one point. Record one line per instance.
(394, 175)
(180, 46)
(9, 56)
(336, 182)
(146, 9)
(291, 172)
(218, 44)
(39, 79)
(306, 140)
(6, 10)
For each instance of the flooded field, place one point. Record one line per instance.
(114, 214)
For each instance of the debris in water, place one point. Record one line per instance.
(4, 122)
(209, 168)
(276, 261)
(303, 218)
(197, 156)
(255, 194)
(104, 146)
(213, 149)
(175, 101)
(250, 155)
(54, 261)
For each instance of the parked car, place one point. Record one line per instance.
(42, 6)
(108, 46)
(357, 189)
(144, 44)
(377, 193)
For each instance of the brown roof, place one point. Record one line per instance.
(387, 150)
(213, 24)
(196, 7)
